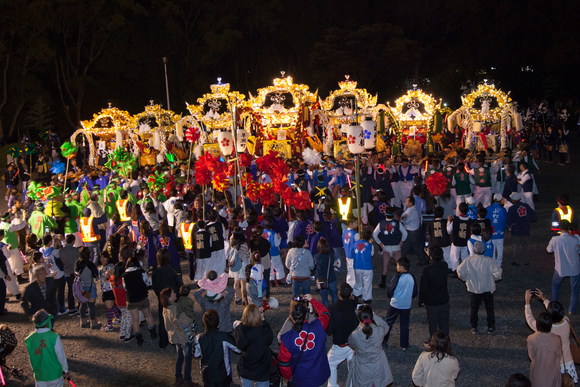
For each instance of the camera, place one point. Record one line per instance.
(534, 291)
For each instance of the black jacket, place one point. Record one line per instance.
(213, 345)
(433, 289)
(255, 362)
(33, 300)
(165, 277)
(343, 320)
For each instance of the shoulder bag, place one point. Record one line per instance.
(322, 283)
(574, 347)
(289, 276)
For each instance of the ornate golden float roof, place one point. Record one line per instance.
(214, 109)
(107, 121)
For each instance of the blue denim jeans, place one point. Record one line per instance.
(250, 383)
(298, 286)
(333, 293)
(574, 285)
(183, 353)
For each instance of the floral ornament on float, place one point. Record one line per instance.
(68, 150)
(436, 183)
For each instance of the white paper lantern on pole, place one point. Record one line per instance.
(242, 140)
(370, 133)
(179, 130)
(118, 139)
(226, 143)
(518, 121)
(156, 140)
(355, 139)
(477, 126)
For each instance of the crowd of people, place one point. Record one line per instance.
(118, 237)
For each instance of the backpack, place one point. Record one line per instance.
(78, 289)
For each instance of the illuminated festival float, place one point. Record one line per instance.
(343, 107)
(149, 132)
(278, 117)
(486, 114)
(106, 130)
(415, 120)
(212, 116)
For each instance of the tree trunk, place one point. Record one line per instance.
(15, 119)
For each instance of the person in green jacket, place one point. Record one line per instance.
(46, 352)
(70, 226)
(39, 222)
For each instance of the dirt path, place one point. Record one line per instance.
(98, 358)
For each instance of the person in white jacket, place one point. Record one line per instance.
(480, 273)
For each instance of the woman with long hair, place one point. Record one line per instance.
(174, 320)
(88, 272)
(147, 242)
(136, 283)
(302, 349)
(436, 367)
(369, 366)
(167, 240)
(253, 337)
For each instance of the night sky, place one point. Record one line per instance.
(78, 56)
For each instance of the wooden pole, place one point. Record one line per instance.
(357, 191)
(65, 174)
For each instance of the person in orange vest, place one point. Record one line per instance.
(124, 207)
(90, 232)
(562, 212)
(186, 231)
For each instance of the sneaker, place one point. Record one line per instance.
(116, 322)
(474, 331)
(85, 324)
(107, 328)
(130, 338)
(73, 312)
(121, 338)
(62, 313)
(490, 330)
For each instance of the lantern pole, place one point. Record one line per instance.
(357, 191)
(166, 82)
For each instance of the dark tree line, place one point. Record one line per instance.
(75, 56)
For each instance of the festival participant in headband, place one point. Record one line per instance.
(482, 177)
(46, 352)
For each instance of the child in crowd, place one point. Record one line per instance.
(106, 269)
(401, 291)
(185, 305)
(116, 283)
(217, 296)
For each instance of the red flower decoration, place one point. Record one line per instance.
(253, 192)
(383, 208)
(351, 139)
(360, 246)
(192, 134)
(522, 211)
(220, 182)
(267, 162)
(280, 187)
(267, 194)
(245, 159)
(202, 176)
(302, 201)
(436, 183)
(225, 142)
(143, 239)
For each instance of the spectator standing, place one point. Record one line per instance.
(519, 217)
(433, 293)
(343, 322)
(436, 367)
(566, 250)
(480, 273)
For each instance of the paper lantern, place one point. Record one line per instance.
(370, 133)
(226, 143)
(242, 140)
(450, 126)
(355, 138)
(310, 129)
(179, 130)
(118, 138)
(156, 140)
(518, 121)
(477, 127)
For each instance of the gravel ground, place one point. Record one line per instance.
(98, 358)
